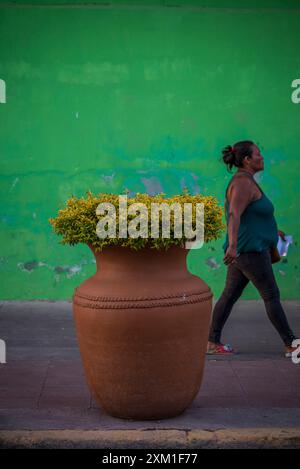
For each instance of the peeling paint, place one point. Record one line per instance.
(152, 185)
(70, 271)
(59, 269)
(212, 262)
(30, 266)
(3, 262)
(74, 270)
(16, 180)
(94, 74)
(196, 187)
(182, 183)
(108, 178)
(66, 269)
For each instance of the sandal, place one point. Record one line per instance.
(289, 352)
(220, 349)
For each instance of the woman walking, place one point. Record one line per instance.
(251, 235)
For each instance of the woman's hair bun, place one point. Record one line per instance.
(234, 156)
(229, 156)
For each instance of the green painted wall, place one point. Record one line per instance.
(140, 95)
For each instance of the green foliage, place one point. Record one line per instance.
(77, 222)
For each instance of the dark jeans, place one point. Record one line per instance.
(257, 267)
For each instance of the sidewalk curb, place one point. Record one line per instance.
(143, 439)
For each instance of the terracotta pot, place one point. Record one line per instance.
(142, 324)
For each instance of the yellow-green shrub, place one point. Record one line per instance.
(78, 220)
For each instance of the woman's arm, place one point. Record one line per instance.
(240, 196)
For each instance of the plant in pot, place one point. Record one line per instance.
(142, 319)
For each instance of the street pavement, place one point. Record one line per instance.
(250, 399)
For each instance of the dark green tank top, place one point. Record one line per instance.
(258, 228)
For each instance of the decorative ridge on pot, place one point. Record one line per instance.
(142, 298)
(172, 300)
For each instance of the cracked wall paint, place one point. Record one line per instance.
(152, 185)
(213, 263)
(15, 181)
(69, 270)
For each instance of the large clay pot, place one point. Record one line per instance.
(142, 324)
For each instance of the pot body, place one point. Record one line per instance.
(142, 325)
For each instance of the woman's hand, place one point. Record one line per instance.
(282, 235)
(230, 255)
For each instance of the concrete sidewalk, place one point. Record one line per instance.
(251, 399)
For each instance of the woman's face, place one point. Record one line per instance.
(256, 162)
